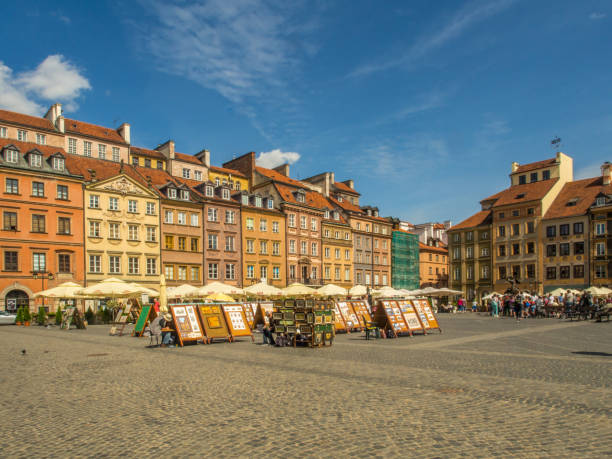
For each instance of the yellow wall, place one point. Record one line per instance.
(330, 261)
(154, 161)
(212, 175)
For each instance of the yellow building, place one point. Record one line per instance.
(263, 241)
(223, 176)
(121, 223)
(337, 242)
(144, 157)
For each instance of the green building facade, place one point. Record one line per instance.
(405, 260)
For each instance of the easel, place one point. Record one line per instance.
(121, 321)
(146, 316)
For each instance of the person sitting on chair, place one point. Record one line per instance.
(166, 321)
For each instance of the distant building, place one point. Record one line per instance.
(433, 264)
(404, 260)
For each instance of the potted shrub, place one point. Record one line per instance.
(19, 318)
(58, 316)
(89, 316)
(27, 317)
(41, 318)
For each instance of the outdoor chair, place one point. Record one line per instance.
(155, 329)
(371, 327)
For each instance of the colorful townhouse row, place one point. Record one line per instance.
(546, 231)
(81, 203)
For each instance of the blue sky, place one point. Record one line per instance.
(424, 104)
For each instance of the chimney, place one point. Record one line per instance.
(350, 184)
(515, 166)
(167, 149)
(244, 164)
(204, 156)
(60, 124)
(283, 169)
(55, 112)
(606, 173)
(124, 131)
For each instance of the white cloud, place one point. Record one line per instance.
(465, 18)
(596, 16)
(273, 158)
(54, 80)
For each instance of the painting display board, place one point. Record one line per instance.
(186, 322)
(410, 316)
(67, 316)
(121, 320)
(264, 309)
(236, 320)
(213, 322)
(313, 320)
(361, 311)
(249, 313)
(389, 316)
(338, 320)
(349, 316)
(146, 316)
(426, 315)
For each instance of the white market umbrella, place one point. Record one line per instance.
(490, 295)
(145, 290)
(596, 291)
(298, 289)
(218, 287)
(358, 290)
(111, 287)
(387, 291)
(65, 290)
(557, 292)
(262, 289)
(331, 290)
(181, 291)
(444, 292)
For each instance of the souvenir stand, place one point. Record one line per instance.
(249, 311)
(427, 317)
(236, 320)
(361, 311)
(389, 317)
(312, 322)
(146, 315)
(121, 320)
(186, 323)
(213, 322)
(261, 314)
(339, 324)
(350, 318)
(410, 317)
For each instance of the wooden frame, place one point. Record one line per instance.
(249, 314)
(236, 320)
(121, 320)
(361, 311)
(389, 316)
(348, 315)
(186, 323)
(214, 323)
(426, 315)
(145, 317)
(411, 317)
(339, 320)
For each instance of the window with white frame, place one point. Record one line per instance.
(250, 223)
(250, 271)
(250, 246)
(291, 245)
(132, 206)
(94, 229)
(58, 163)
(11, 156)
(114, 264)
(181, 218)
(275, 227)
(116, 155)
(230, 271)
(263, 247)
(230, 216)
(172, 193)
(151, 266)
(3, 132)
(225, 194)
(304, 247)
(186, 173)
(303, 222)
(347, 274)
(133, 232)
(600, 248)
(168, 216)
(212, 214)
(275, 272)
(213, 270)
(195, 220)
(270, 203)
(35, 160)
(101, 151)
(86, 148)
(185, 195)
(313, 249)
(198, 175)
(210, 192)
(22, 135)
(347, 254)
(327, 252)
(263, 224)
(151, 234)
(276, 248)
(600, 229)
(113, 231)
(230, 243)
(291, 221)
(213, 242)
(313, 224)
(113, 203)
(72, 146)
(150, 208)
(133, 265)
(95, 264)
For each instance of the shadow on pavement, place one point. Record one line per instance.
(604, 354)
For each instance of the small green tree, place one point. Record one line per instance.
(41, 318)
(89, 316)
(19, 317)
(27, 317)
(58, 316)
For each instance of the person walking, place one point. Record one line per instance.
(495, 306)
(518, 307)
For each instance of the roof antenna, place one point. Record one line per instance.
(556, 143)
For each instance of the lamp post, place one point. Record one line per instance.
(42, 275)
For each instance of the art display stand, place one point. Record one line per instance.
(261, 315)
(213, 323)
(250, 309)
(351, 320)
(426, 315)
(389, 318)
(361, 311)
(146, 315)
(304, 322)
(186, 323)
(339, 323)
(236, 321)
(411, 317)
(121, 321)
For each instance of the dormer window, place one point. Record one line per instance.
(339, 198)
(300, 196)
(245, 199)
(224, 182)
(600, 201)
(210, 191)
(572, 202)
(327, 214)
(58, 163)
(217, 181)
(185, 195)
(172, 193)
(11, 156)
(238, 186)
(226, 193)
(376, 213)
(336, 216)
(257, 201)
(270, 203)
(370, 212)
(35, 160)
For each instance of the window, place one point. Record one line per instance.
(133, 233)
(114, 264)
(551, 250)
(600, 229)
(195, 244)
(132, 206)
(263, 225)
(564, 272)
(151, 266)
(172, 193)
(600, 249)
(86, 148)
(578, 271)
(250, 223)
(516, 249)
(213, 271)
(337, 254)
(225, 194)
(3, 132)
(303, 222)
(198, 175)
(230, 271)
(578, 248)
(213, 242)
(38, 223)
(168, 216)
(551, 272)
(186, 173)
(516, 213)
(250, 247)
(22, 135)
(150, 208)
(578, 228)
(169, 272)
(564, 230)
(116, 157)
(545, 175)
(600, 271)
(58, 163)
(113, 203)
(313, 249)
(10, 221)
(469, 273)
(195, 273)
(501, 231)
(38, 189)
(485, 272)
(35, 160)
(275, 272)
(337, 236)
(564, 249)
(326, 272)
(533, 177)
(276, 248)
(169, 242)
(291, 246)
(94, 201)
(212, 214)
(304, 247)
(185, 195)
(250, 271)
(133, 265)
(195, 220)
(501, 251)
(12, 186)
(469, 253)
(101, 151)
(182, 273)
(516, 272)
(10, 261)
(210, 191)
(522, 179)
(600, 201)
(151, 234)
(270, 203)
(313, 272)
(456, 253)
(347, 254)
(147, 163)
(95, 264)
(530, 227)
(337, 273)
(501, 272)
(230, 216)
(531, 271)
(347, 274)
(263, 270)
(530, 211)
(530, 248)
(230, 245)
(181, 218)
(291, 221)
(63, 225)
(484, 252)
(313, 224)
(62, 192)
(160, 165)
(516, 229)
(113, 231)
(551, 231)
(275, 227)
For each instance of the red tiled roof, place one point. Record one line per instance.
(433, 248)
(92, 130)
(26, 120)
(345, 188)
(225, 170)
(480, 218)
(313, 199)
(146, 152)
(403, 231)
(438, 226)
(522, 193)
(278, 177)
(25, 147)
(187, 158)
(104, 169)
(584, 190)
(346, 205)
(536, 165)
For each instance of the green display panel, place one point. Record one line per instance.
(142, 319)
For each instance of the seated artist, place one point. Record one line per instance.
(167, 326)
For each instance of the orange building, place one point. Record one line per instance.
(433, 264)
(42, 222)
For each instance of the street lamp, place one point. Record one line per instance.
(42, 275)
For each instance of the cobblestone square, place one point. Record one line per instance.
(483, 388)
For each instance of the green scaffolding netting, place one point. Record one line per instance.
(405, 261)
